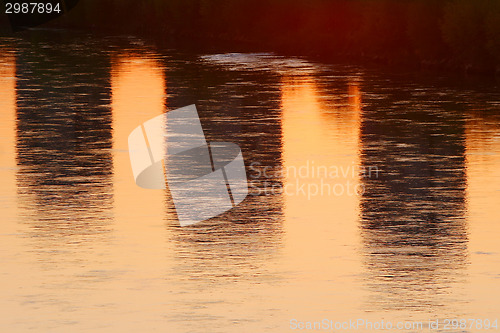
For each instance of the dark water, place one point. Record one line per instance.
(373, 196)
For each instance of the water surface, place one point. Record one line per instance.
(372, 195)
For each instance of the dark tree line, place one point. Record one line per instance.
(460, 33)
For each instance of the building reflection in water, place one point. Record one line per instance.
(63, 143)
(86, 247)
(413, 213)
(225, 255)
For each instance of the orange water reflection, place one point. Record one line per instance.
(97, 252)
(320, 152)
(483, 191)
(11, 244)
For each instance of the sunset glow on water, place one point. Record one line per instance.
(86, 249)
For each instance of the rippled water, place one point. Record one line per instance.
(372, 195)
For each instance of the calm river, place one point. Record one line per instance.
(372, 196)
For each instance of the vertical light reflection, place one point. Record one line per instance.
(483, 192)
(138, 94)
(11, 244)
(321, 166)
(7, 136)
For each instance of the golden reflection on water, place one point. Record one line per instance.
(185, 277)
(138, 94)
(8, 133)
(320, 145)
(11, 244)
(114, 261)
(138, 88)
(483, 191)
